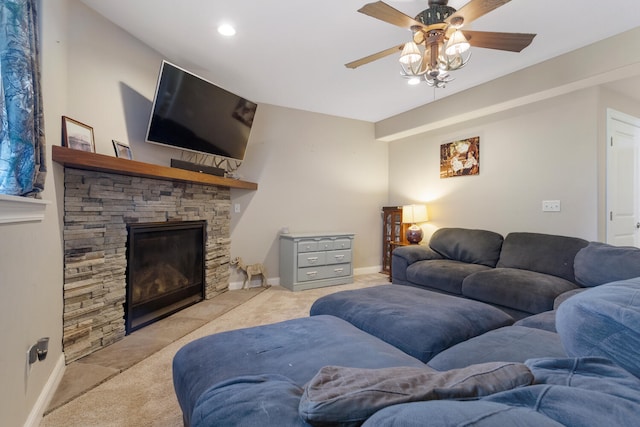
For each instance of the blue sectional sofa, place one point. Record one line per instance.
(396, 355)
(522, 273)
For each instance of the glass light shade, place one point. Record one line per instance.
(410, 54)
(412, 214)
(457, 44)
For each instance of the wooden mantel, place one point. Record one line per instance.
(77, 159)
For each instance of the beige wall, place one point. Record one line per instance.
(543, 151)
(315, 173)
(31, 260)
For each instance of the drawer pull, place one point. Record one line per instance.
(312, 259)
(340, 257)
(338, 270)
(312, 273)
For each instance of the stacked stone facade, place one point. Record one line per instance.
(97, 208)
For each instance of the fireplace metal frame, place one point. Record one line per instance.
(138, 316)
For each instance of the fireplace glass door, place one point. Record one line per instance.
(165, 270)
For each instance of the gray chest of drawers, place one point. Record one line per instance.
(313, 260)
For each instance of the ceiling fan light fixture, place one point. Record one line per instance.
(410, 54)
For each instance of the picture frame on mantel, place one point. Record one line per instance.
(123, 150)
(77, 135)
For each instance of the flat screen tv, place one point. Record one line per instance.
(194, 114)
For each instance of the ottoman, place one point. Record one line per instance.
(419, 322)
(237, 372)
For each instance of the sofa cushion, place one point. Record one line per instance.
(578, 392)
(404, 256)
(339, 395)
(545, 321)
(603, 321)
(419, 322)
(296, 349)
(565, 296)
(544, 253)
(508, 344)
(600, 263)
(443, 274)
(257, 400)
(466, 245)
(523, 290)
(448, 413)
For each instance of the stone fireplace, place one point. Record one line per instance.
(98, 208)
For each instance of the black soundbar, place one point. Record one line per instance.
(210, 170)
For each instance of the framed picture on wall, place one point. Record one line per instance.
(123, 150)
(460, 158)
(77, 135)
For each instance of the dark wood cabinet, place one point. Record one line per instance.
(393, 234)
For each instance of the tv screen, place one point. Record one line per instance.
(194, 114)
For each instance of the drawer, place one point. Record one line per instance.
(325, 245)
(323, 272)
(342, 244)
(307, 246)
(338, 257)
(308, 259)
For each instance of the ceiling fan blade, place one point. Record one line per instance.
(513, 42)
(474, 10)
(374, 57)
(382, 11)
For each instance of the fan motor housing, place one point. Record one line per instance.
(436, 13)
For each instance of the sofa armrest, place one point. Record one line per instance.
(415, 253)
(403, 256)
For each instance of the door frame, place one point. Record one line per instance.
(614, 115)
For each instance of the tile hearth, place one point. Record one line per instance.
(96, 368)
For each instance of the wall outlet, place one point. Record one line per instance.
(236, 208)
(551, 206)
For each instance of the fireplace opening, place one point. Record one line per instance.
(165, 270)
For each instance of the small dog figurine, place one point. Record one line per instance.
(250, 270)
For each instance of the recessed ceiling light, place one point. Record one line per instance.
(226, 30)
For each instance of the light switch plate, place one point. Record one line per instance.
(551, 206)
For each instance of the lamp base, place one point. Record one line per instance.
(414, 234)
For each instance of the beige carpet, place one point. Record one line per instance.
(143, 394)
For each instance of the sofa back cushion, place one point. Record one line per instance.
(603, 322)
(466, 245)
(600, 263)
(544, 253)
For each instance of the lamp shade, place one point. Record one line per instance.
(410, 54)
(457, 44)
(413, 214)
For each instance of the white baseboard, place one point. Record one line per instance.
(275, 281)
(49, 389)
(255, 283)
(367, 270)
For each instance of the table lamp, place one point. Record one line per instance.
(414, 214)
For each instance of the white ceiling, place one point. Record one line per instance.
(292, 53)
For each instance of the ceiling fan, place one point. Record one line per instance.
(439, 44)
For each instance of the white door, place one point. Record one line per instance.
(623, 182)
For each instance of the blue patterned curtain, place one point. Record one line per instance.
(22, 149)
